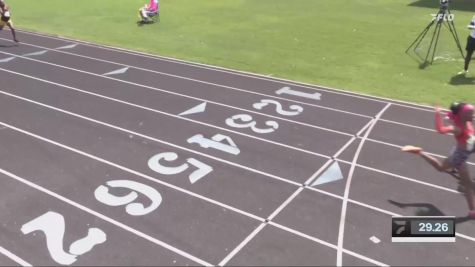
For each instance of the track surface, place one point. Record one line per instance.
(87, 131)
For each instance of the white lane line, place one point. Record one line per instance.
(199, 81)
(331, 90)
(14, 257)
(168, 114)
(322, 242)
(8, 59)
(341, 230)
(286, 202)
(139, 174)
(38, 53)
(361, 257)
(182, 95)
(64, 47)
(398, 146)
(115, 72)
(105, 218)
(404, 177)
(242, 244)
(409, 125)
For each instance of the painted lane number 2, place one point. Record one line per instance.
(53, 226)
(294, 110)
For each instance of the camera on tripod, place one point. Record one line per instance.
(445, 18)
(444, 4)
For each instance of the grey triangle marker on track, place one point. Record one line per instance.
(67, 46)
(119, 71)
(333, 173)
(6, 59)
(36, 53)
(197, 109)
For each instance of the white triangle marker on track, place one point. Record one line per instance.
(36, 53)
(119, 71)
(7, 59)
(67, 47)
(330, 175)
(198, 109)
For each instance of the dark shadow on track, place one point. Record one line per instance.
(462, 79)
(460, 5)
(8, 45)
(426, 209)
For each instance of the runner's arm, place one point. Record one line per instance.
(439, 124)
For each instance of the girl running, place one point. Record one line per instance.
(461, 116)
(5, 19)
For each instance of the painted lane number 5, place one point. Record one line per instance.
(155, 163)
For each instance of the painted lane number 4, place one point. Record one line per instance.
(53, 226)
(216, 142)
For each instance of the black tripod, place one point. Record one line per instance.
(443, 17)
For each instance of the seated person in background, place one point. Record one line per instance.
(149, 10)
(5, 19)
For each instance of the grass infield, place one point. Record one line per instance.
(355, 45)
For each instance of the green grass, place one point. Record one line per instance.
(356, 45)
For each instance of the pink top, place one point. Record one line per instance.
(466, 138)
(153, 5)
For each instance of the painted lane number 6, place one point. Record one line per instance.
(135, 209)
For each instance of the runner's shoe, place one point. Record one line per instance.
(412, 149)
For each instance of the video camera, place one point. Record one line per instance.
(444, 4)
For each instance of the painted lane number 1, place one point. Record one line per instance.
(288, 91)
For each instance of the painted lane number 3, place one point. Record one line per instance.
(248, 122)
